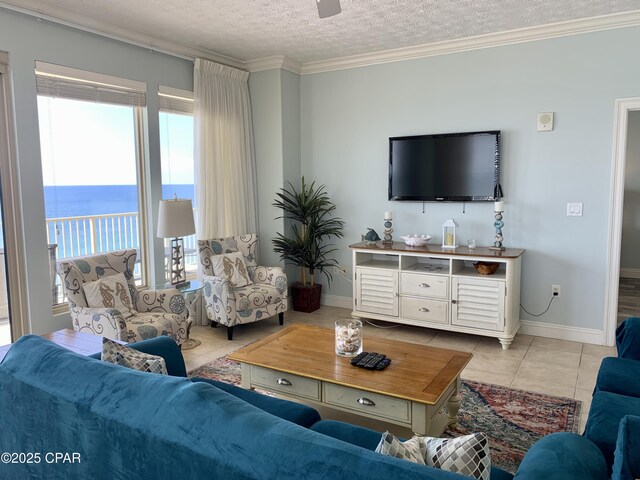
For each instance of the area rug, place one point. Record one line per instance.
(512, 419)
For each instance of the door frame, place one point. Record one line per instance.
(14, 233)
(623, 107)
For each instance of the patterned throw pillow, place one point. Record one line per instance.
(113, 352)
(232, 267)
(411, 450)
(468, 455)
(110, 292)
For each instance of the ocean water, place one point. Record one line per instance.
(76, 201)
(81, 237)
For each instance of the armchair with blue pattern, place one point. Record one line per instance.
(228, 305)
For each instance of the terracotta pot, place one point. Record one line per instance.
(306, 299)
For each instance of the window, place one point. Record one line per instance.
(177, 158)
(91, 162)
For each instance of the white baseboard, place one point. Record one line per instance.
(336, 301)
(630, 272)
(562, 332)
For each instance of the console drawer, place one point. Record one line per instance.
(367, 403)
(434, 311)
(285, 382)
(432, 286)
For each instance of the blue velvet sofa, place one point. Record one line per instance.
(125, 424)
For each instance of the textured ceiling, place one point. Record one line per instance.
(252, 29)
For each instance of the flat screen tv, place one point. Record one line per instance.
(460, 167)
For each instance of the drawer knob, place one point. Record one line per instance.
(424, 309)
(283, 381)
(424, 285)
(365, 401)
(454, 301)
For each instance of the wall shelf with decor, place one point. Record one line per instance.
(440, 288)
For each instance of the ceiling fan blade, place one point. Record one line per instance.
(328, 8)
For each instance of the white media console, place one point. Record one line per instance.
(439, 288)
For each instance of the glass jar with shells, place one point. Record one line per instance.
(348, 337)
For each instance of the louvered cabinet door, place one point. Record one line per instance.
(478, 303)
(377, 291)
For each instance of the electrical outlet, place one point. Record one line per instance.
(555, 290)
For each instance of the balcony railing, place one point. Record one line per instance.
(92, 234)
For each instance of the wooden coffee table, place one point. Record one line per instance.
(300, 362)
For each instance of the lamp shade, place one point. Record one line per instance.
(175, 218)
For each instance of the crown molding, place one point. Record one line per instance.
(91, 25)
(521, 35)
(277, 61)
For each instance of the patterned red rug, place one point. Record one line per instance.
(512, 419)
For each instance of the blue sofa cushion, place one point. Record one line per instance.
(607, 410)
(294, 412)
(619, 375)
(563, 456)
(369, 439)
(628, 339)
(626, 465)
(129, 424)
(164, 347)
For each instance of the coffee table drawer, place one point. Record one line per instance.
(285, 383)
(367, 403)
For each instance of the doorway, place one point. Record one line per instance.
(621, 299)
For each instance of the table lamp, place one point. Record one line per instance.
(175, 220)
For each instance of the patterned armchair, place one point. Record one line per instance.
(229, 305)
(154, 313)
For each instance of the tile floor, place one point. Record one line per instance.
(544, 365)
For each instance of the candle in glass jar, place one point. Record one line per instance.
(387, 215)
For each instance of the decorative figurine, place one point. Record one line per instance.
(371, 237)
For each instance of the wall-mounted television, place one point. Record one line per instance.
(458, 167)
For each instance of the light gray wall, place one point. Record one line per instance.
(275, 102)
(630, 254)
(347, 117)
(27, 40)
(266, 109)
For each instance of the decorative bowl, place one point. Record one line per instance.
(486, 268)
(415, 240)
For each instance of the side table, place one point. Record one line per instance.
(193, 301)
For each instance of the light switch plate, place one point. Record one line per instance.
(545, 121)
(574, 209)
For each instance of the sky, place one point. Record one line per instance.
(86, 143)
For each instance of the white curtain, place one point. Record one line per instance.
(225, 162)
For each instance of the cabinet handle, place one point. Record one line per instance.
(424, 285)
(365, 401)
(423, 309)
(454, 301)
(283, 381)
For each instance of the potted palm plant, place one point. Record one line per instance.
(310, 212)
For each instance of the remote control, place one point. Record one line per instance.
(374, 361)
(359, 357)
(383, 364)
(366, 359)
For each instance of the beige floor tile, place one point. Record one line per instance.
(409, 334)
(464, 343)
(494, 363)
(585, 397)
(541, 386)
(583, 422)
(588, 373)
(552, 356)
(564, 345)
(487, 377)
(544, 373)
(599, 350)
(492, 346)
(523, 339)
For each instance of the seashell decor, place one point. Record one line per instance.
(348, 337)
(415, 240)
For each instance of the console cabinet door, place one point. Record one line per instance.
(478, 303)
(377, 291)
